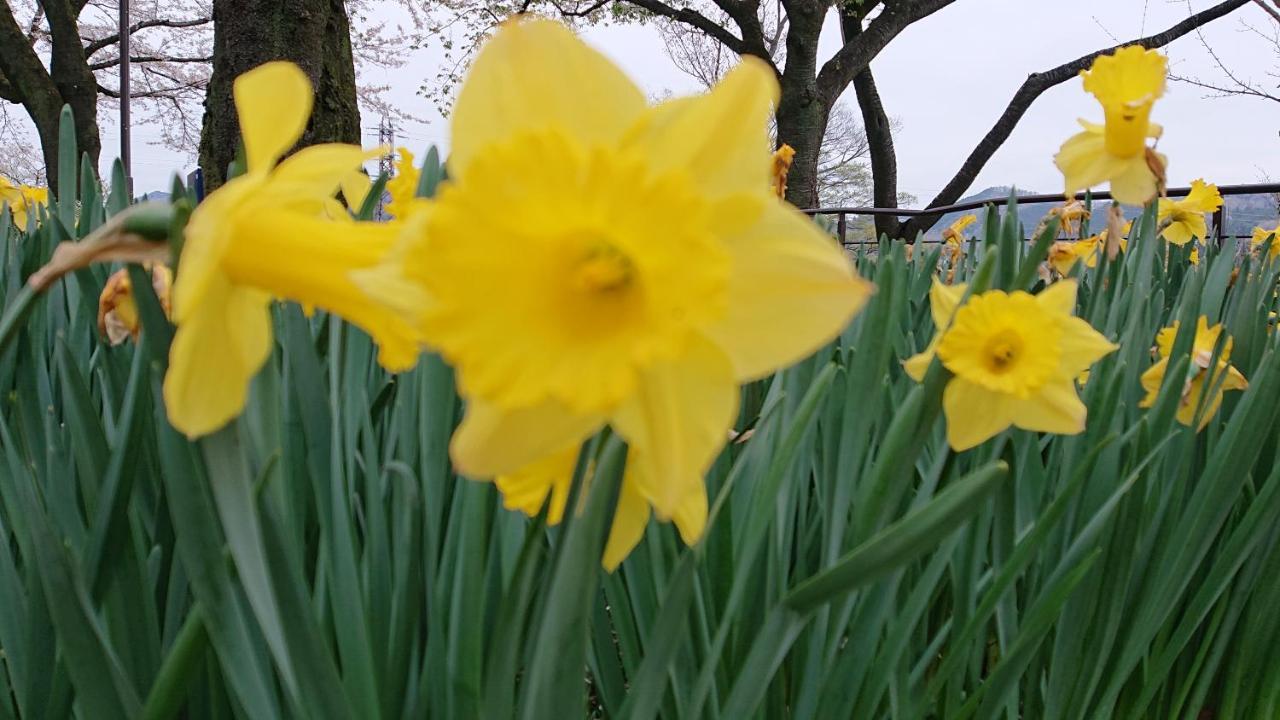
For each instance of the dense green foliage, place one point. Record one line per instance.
(319, 559)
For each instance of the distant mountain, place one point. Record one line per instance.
(1244, 212)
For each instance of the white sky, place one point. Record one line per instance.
(947, 78)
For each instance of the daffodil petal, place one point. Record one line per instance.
(1234, 380)
(535, 75)
(1081, 346)
(974, 414)
(317, 171)
(1055, 409)
(690, 517)
(205, 389)
(917, 365)
(273, 102)
(629, 522)
(526, 489)
(1133, 183)
(1060, 297)
(492, 441)
(943, 300)
(716, 137)
(355, 188)
(790, 292)
(677, 422)
(1084, 161)
(1177, 233)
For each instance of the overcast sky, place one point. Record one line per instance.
(948, 77)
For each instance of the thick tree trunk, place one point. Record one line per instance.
(884, 161)
(315, 34)
(42, 92)
(802, 114)
(69, 69)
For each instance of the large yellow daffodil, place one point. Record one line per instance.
(1015, 359)
(593, 260)
(1127, 84)
(262, 236)
(1183, 219)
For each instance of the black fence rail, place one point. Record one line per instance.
(842, 213)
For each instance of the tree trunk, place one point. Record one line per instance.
(315, 34)
(76, 84)
(802, 115)
(884, 161)
(42, 92)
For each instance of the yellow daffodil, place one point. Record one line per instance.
(1260, 238)
(22, 200)
(117, 309)
(1062, 256)
(782, 158)
(1198, 380)
(954, 234)
(262, 236)
(1015, 359)
(403, 187)
(1070, 215)
(1183, 220)
(1127, 84)
(1194, 257)
(640, 269)
(953, 238)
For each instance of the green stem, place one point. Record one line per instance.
(170, 687)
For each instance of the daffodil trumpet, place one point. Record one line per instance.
(263, 237)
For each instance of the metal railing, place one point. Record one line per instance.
(842, 213)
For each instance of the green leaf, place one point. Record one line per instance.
(902, 541)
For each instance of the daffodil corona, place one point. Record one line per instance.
(1127, 84)
(640, 268)
(1183, 220)
(1014, 358)
(261, 236)
(1199, 380)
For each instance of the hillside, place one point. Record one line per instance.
(1244, 212)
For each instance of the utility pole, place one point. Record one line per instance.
(386, 164)
(126, 158)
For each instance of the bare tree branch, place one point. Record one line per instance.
(97, 45)
(696, 19)
(1031, 89)
(859, 50)
(142, 59)
(1273, 12)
